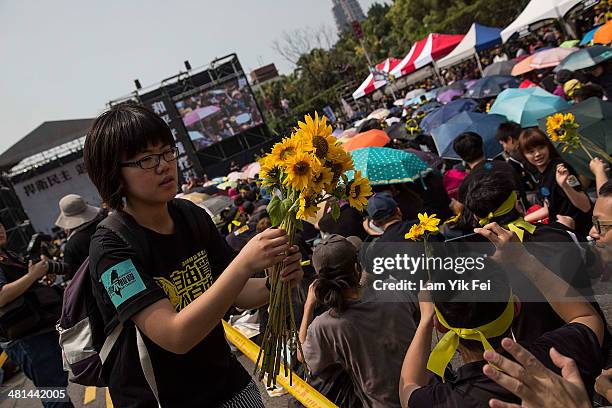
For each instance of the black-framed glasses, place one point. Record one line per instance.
(601, 227)
(152, 161)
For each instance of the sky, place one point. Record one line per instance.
(65, 59)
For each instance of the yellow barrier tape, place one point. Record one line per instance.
(3, 358)
(303, 392)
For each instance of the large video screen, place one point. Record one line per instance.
(219, 112)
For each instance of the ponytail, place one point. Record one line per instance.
(330, 284)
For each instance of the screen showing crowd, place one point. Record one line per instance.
(219, 112)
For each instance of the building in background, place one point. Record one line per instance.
(263, 74)
(345, 12)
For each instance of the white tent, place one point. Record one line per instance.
(478, 38)
(538, 10)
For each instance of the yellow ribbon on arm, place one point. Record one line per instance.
(518, 226)
(444, 351)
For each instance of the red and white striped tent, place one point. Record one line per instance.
(371, 84)
(425, 51)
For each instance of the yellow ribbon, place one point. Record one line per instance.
(518, 226)
(444, 351)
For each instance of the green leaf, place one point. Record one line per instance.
(285, 206)
(335, 211)
(275, 211)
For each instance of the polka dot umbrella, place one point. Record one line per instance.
(382, 165)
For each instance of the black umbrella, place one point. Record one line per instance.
(499, 68)
(491, 86)
(397, 130)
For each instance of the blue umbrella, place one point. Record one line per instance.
(588, 37)
(525, 106)
(426, 108)
(446, 112)
(491, 86)
(481, 123)
(382, 165)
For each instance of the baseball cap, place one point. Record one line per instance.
(381, 206)
(334, 252)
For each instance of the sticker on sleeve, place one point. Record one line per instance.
(122, 282)
(573, 181)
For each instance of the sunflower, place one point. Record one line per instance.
(270, 172)
(339, 162)
(321, 179)
(283, 150)
(316, 135)
(307, 208)
(300, 168)
(416, 231)
(357, 191)
(429, 222)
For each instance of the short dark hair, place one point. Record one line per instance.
(534, 137)
(469, 146)
(485, 192)
(460, 309)
(121, 132)
(508, 130)
(588, 91)
(606, 189)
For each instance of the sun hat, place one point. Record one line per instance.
(74, 212)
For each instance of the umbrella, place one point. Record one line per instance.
(226, 184)
(526, 106)
(397, 130)
(415, 93)
(499, 68)
(379, 114)
(585, 58)
(523, 66)
(490, 86)
(337, 132)
(372, 137)
(398, 102)
(550, 58)
(251, 169)
(604, 34)
(368, 124)
(217, 204)
(199, 114)
(588, 37)
(481, 123)
(446, 112)
(236, 175)
(595, 119)
(348, 133)
(426, 108)
(382, 165)
(196, 198)
(449, 95)
(569, 43)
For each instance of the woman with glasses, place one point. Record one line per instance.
(172, 300)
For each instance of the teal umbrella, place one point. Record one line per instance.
(585, 58)
(382, 165)
(526, 105)
(594, 117)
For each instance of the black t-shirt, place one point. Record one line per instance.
(558, 202)
(472, 388)
(77, 247)
(349, 223)
(181, 269)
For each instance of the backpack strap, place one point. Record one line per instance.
(109, 342)
(147, 366)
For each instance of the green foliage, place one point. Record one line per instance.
(322, 76)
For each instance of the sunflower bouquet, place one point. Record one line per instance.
(428, 225)
(564, 128)
(304, 170)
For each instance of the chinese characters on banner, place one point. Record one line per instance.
(40, 195)
(161, 107)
